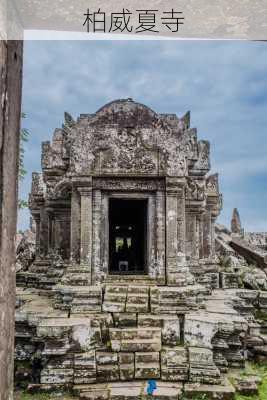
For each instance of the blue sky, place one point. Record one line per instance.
(223, 83)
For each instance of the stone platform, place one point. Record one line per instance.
(121, 333)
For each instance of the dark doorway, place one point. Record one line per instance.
(127, 236)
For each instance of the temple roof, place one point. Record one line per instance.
(124, 105)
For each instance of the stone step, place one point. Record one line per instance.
(223, 391)
(131, 299)
(132, 289)
(113, 307)
(116, 289)
(77, 269)
(135, 339)
(115, 297)
(129, 391)
(77, 301)
(174, 364)
(137, 301)
(76, 279)
(85, 309)
(39, 269)
(134, 280)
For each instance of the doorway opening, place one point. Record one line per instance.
(127, 236)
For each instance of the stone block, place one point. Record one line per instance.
(115, 307)
(137, 301)
(201, 366)
(84, 376)
(96, 391)
(85, 337)
(135, 339)
(212, 392)
(166, 299)
(65, 362)
(229, 280)
(247, 386)
(200, 356)
(54, 327)
(174, 364)
(146, 357)
(128, 392)
(125, 320)
(85, 360)
(149, 321)
(126, 364)
(126, 358)
(56, 376)
(108, 373)
(171, 331)
(106, 358)
(165, 391)
(147, 370)
(56, 347)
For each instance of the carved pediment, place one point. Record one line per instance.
(127, 137)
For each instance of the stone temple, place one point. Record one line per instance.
(131, 280)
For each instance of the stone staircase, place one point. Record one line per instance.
(114, 338)
(129, 391)
(76, 275)
(78, 299)
(75, 292)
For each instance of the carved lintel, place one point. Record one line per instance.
(129, 184)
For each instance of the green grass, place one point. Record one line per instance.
(261, 315)
(22, 395)
(261, 371)
(28, 396)
(262, 393)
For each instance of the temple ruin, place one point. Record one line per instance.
(130, 281)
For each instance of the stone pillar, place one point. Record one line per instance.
(212, 233)
(177, 270)
(191, 235)
(160, 236)
(57, 232)
(200, 236)
(37, 233)
(50, 233)
(105, 233)
(181, 218)
(75, 225)
(171, 224)
(44, 225)
(86, 227)
(197, 237)
(175, 229)
(207, 236)
(61, 232)
(97, 272)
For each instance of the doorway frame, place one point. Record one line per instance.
(144, 199)
(150, 227)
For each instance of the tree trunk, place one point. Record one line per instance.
(10, 109)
